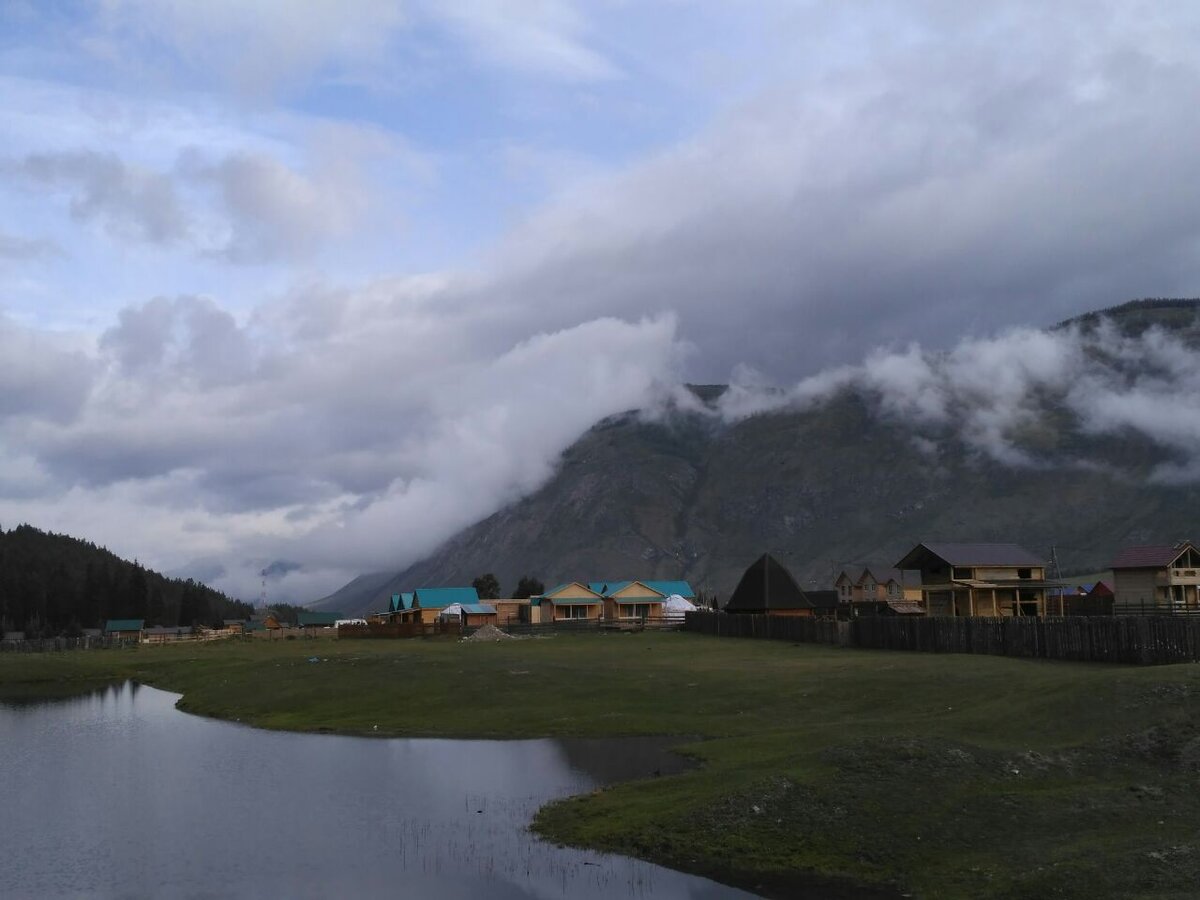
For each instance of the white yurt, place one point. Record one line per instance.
(675, 606)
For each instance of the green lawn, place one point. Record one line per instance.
(948, 776)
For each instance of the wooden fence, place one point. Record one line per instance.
(399, 630)
(804, 629)
(58, 644)
(1138, 640)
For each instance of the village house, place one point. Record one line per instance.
(1157, 580)
(511, 610)
(315, 623)
(573, 600)
(768, 588)
(879, 590)
(424, 605)
(981, 580)
(1088, 600)
(128, 629)
(630, 600)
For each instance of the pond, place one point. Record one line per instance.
(118, 794)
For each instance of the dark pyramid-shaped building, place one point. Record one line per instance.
(769, 588)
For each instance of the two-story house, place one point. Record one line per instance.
(1162, 579)
(981, 580)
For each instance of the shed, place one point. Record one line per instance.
(125, 628)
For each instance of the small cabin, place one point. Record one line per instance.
(126, 629)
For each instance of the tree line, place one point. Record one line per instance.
(487, 586)
(52, 584)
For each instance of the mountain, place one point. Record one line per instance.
(53, 583)
(691, 494)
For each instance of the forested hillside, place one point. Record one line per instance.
(54, 584)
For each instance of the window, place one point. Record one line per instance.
(635, 610)
(961, 572)
(576, 611)
(1024, 573)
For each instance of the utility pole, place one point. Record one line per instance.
(1057, 577)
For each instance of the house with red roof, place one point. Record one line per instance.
(1156, 580)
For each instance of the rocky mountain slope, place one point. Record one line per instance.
(699, 496)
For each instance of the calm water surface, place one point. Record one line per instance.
(118, 794)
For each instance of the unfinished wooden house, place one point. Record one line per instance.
(981, 580)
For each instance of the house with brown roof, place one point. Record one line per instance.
(981, 580)
(1157, 579)
(768, 588)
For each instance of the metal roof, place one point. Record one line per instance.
(437, 598)
(124, 624)
(667, 588)
(1148, 557)
(971, 555)
(905, 607)
(479, 608)
(311, 619)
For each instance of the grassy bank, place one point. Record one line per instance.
(950, 776)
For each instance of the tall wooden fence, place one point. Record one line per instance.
(1138, 640)
(804, 629)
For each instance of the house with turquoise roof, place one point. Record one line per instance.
(424, 604)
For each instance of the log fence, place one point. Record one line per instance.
(1134, 640)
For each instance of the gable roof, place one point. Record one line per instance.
(767, 585)
(652, 594)
(549, 595)
(1155, 557)
(881, 574)
(437, 598)
(124, 624)
(310, 619)
(970, 555)
(608, 588)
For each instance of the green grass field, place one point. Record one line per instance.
(946, 776)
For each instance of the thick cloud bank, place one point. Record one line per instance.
(349, 431)
(1020, 397)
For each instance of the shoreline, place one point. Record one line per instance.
(821, 770)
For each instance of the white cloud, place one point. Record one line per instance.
(258, 46)
(350, 448)
(130, 202)
(546, 38)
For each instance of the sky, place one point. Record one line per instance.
(306, 288)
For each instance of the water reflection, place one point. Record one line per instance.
(116, 793)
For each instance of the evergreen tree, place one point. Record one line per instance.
(527, 587)
(487, 586)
